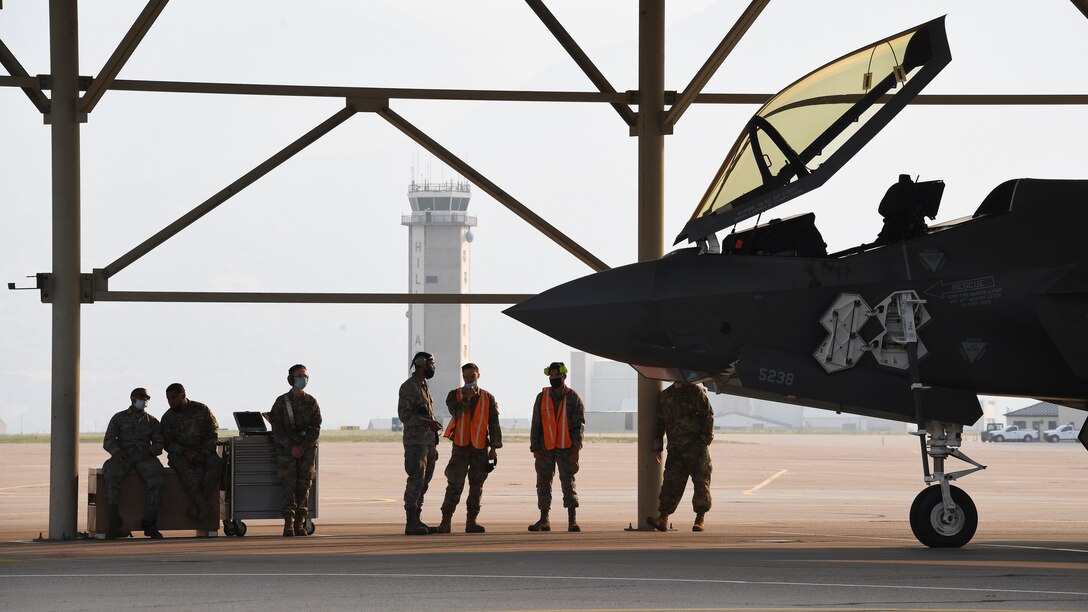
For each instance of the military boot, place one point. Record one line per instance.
(698, 524)
(444, 526)
(660, 522)
(471, 526)
(572, 520)
(288, 524)
(412, 525)
(542, 524)
(300, 522)
(113, 529)
(151, 528)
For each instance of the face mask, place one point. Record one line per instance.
(139, 404)
(557, 383)
(428, 373)
(300, 382)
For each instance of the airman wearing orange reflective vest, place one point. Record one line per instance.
(475, 433)
(555, 439)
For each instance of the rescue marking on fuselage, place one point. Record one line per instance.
(969, 292)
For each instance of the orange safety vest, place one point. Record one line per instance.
(556, 431)
(466, 429)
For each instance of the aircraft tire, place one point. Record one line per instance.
(928, 525)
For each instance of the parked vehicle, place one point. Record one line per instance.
(1012, 433)
(990, 429)
(1065, 432)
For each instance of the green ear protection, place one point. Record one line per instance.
(557, 364)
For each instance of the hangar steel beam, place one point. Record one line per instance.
(651, 215)
(744, 22)
(1082, 6)
(926, 100)
(63, 120)
(121, 54)
(327, 91)
(229, 191)
(489, 95)
(15, 69)
(580, 58)
(310, 298)
(493, 190)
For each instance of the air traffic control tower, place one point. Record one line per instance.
(439, 261)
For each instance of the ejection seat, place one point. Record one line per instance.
(904, 208)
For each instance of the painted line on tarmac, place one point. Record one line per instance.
(545, 577)
(29, 486)
(759, 486)
(805, 609)
(1072, 550)
(1055, 565)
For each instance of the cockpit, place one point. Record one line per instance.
(806, 132)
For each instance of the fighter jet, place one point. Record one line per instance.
(910, 326)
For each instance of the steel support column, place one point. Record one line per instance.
(651, 206)
(64, 129)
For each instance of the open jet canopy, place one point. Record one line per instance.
(809, 130)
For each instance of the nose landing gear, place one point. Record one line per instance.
(943, 516)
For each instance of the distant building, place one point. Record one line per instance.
(828, 420)
(1045, 415)
(608, 389)
(380, 425)
(439, 261)
(989, 416)
(515, 424)
(743, 420)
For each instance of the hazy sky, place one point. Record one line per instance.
(329, 219)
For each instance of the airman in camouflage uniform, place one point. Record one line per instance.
(416, 411)
(189, 434)
(466, 459)
(566, 444)
(685, 416)
(134, 441)
(296, 426)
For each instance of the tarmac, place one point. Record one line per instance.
(800, 522)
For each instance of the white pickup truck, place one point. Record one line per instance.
(1065, 432)
(1011, 433)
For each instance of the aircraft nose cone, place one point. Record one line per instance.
(603, 314)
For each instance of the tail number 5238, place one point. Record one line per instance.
(775, 377)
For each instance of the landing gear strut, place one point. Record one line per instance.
(943, 516)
